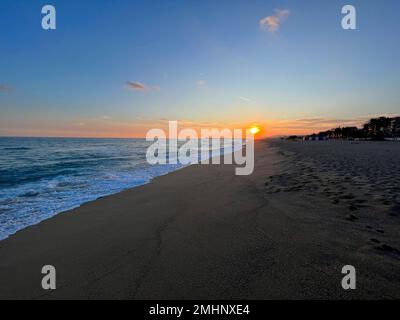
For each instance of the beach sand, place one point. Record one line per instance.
(284, 232)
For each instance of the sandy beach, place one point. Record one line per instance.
(285, 232)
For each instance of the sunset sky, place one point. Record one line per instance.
(119, 68)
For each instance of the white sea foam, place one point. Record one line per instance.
(40, 177)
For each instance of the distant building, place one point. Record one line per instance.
(295, 138)
(395, 127)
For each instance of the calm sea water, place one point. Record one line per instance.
(40, 177)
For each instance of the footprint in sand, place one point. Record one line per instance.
(395, 211)
(348, 196)
(351, 217)
(353, 208)
(388, 249)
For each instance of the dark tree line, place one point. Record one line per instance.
(375, 129)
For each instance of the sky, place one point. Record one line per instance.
(119, 68)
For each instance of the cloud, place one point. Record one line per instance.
(5, 88)
(135, 85)
(318, 124)
(245, 99)
(139, 86)
(302, 126)
(200, 83)
(272, 23)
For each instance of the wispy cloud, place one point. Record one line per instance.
(139, 86)
(245, 99)
(200, 83)
(5, 88)
(318, 124)
(310, 125)
(135, 85)
(272, 23)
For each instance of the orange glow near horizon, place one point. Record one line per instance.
(111, 128)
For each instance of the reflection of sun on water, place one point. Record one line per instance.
(254, 130)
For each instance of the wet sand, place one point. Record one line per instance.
(284, 232)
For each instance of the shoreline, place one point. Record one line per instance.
(94, 200)
(204, 233)
(101, 197)
(73, 201)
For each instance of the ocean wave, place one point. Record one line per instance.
(25, 206)
(61, 174)
(15, 148)
(29, 194)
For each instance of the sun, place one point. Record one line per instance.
(254, 130)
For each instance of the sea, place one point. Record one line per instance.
(41, 177)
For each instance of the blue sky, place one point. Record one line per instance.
(196, 61)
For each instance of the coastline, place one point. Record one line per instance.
(199, 232)
(83, 172)
(86, 202)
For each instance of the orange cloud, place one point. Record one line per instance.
(272, 23)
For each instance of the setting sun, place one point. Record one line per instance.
(254, 130)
